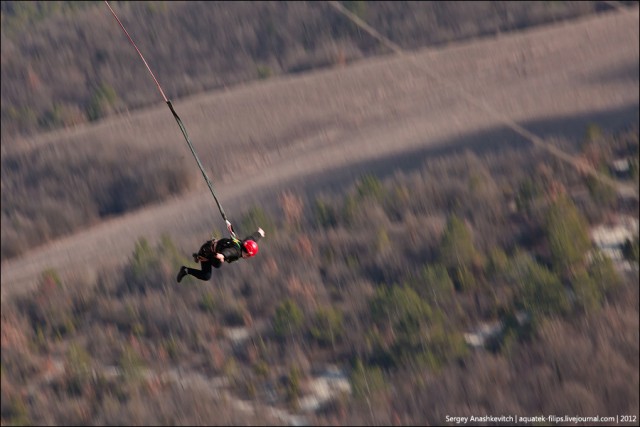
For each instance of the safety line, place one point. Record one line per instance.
(180, 124)
(579, 165)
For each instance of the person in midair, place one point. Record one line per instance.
(216, 251)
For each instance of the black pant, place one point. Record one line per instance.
(205, 273)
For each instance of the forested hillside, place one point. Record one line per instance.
(68, 63)
(468, 283)
(386, 282)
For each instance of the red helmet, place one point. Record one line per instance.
(250, 247)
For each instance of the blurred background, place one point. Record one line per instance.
(451, 230)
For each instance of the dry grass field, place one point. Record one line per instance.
(310, 130)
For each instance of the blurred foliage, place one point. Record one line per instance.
(288, 319)
(256, 217)
(293, 387)
(435, 283)
(16, 15)
(366, 381)
(327, 327)
(370, 187)
(568, 235)
(418, 333)
(541, 291)
(130, 364)
(103, 102)
(604, 274)
(456, 248)
(78, 369)
(150, 266)
(38, 204)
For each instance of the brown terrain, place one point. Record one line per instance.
(312, 131)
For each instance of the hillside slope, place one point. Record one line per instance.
(65, 63)
(310, 130)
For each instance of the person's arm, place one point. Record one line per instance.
(257, 235)
(229, 254)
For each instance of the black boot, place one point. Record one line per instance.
(182, 273)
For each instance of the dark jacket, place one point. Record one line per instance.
(231, 249)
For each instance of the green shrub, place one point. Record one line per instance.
(288, 319)
(366, 381)
(103, 102)
(568, 236)
(264, 72)
(540, 290)
(327, 326)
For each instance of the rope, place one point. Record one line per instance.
(180, 124)
(581, 166)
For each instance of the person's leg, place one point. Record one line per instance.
(204, 274)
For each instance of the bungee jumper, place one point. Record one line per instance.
(216, 251)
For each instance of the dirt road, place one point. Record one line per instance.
(314, 127)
